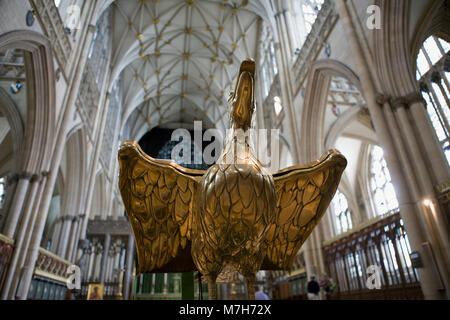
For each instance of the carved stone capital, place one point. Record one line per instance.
(67, 218)
(381, 98)
(399, 103)
(24, 175)
(45, 173)
(12, 179)
(36, 178)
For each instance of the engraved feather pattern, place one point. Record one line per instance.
(303, 195)
(234, 214)
(158, 198)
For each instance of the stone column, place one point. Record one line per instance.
(408, 210)
(152, 290)
(290, 26)
(433, 151)
(285, 101)
(106, 247)
(283, 53)
(90, 264)
(35, 241)
(17, 203)
(73, 235)
(11, 184)
(64, 237)
(129, 267)
(21, 233)
(55, 235)
(77, 239)
(165, 283)
(92, 171)
(434, 222)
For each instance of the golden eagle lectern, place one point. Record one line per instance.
(235, 213)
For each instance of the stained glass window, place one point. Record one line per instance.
(383, 192)
(310, 10)
(70, 13)
(268, 61)
(98, 53)
(277, 105)
(433, 76)
(342, 213)
(2, 191)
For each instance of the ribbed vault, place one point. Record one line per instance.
(178, 59)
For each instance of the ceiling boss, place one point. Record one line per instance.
(233, 214)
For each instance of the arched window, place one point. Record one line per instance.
(70, 13)
(381, 187)
(434, 78)
(98, 53)
(2, 191)
(268, 60)
(310, 10)
(342, 213)
(277, 105)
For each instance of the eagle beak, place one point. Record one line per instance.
(243, 98)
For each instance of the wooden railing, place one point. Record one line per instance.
(383, 244)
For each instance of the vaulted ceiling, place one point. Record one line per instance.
(178, 59)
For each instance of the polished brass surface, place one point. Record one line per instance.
(235, 214)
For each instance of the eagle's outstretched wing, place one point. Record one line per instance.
(303, 194)
(159, 200)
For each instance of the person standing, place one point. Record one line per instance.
(313, 289)
(260, 294)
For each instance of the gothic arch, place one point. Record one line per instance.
(395, 54)
(98, 204)
(40, 123)
(314, 106)
(340, 125)
(435, 21)
(12, 114)
(76, 170)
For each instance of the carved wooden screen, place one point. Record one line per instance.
(383, 244)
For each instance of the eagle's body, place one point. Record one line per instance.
(236, 213)
(236, 208)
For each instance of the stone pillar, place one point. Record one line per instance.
(152, 290)
(408, 210)
(77, 238)
(98, 263)
(433, 151)
(56, 234)
(106, 247)
(92, 171)
(90, 264)
(434, 222)
(11, 184)
(285, 101)
(21, 234)
(69, 110)
(73, 235)
(165, 283)
(64, 237)
(17, 203)
(128, 267)
(311, 267)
